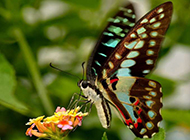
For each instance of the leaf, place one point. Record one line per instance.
(93, 4)
(104, 137)
(63, 87)
(177, 116)
(7, 87)
(23, 93)
(185, 33)
(158, 136)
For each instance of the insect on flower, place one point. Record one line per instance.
(115, 75)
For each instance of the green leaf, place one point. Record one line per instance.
(104, 137)
(93, 4)
(177, 116)
(23, 93)
(7, 87)
(158, 136)
(185, 33)
(63, 87)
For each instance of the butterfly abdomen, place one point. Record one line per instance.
(104, 113)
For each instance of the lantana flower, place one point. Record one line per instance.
(56, 126)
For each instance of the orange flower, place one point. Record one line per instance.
(56, 126)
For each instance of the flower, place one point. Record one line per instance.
(56, 126)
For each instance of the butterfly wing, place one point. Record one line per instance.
(136, 54)
(119, 64)
(138, 100)
(115, 31)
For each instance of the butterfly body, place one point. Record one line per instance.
(95, 96)
(125, 53)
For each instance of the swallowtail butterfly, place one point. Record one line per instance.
(124, 54)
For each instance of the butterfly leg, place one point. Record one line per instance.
(72, 102)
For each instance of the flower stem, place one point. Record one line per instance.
(33, 69)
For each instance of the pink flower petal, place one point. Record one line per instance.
(29, 130)
(60, 109)
(70, 122)
(63, 109)
(60, 125)
(30, 133)
(65, 127)
(57, 109)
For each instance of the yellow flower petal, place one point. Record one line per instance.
(35, 120)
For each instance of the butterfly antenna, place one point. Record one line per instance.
(63, 71)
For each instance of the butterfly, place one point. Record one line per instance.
(125, 53)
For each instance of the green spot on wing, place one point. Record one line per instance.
(161, 16)
(116, 21)
(139, 44)
(156, 25)
(115, 29)
(102, 54)
(149, 125)
(141, 30)
(152, 93)
(126, 30)
(131, 45)
(150, 52)
(94, 71)
(149, 62)
(133, 54)
(152, 43)
(146, 71)
(151, 114)
(112, 43)
(127, 63)
(131, 24)
(154, 33)
(143, 130)
(97, 63)
(108, 34)
(122, 34)
(149, 103)
(129, 11)
(123, 72)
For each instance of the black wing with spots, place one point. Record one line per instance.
(116, 30)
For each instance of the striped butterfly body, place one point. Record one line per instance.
(125, 53)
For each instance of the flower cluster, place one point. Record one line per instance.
(56, 126)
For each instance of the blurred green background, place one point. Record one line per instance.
(34, 33)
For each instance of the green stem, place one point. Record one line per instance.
(33, 69)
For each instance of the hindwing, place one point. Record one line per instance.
(138, 100)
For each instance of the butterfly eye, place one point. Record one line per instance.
(84, 84)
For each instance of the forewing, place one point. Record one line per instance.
(136, 54)
(138, 101)
(115, 31)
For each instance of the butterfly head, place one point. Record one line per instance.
(89, 91)
(83, 84)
